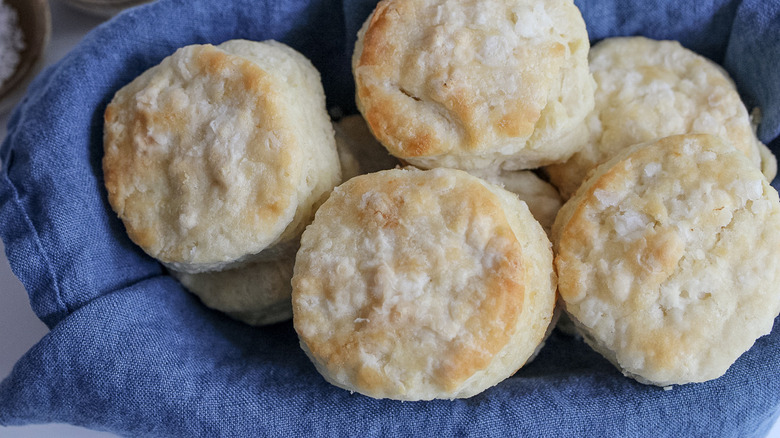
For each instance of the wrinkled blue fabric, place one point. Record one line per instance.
(131, 352)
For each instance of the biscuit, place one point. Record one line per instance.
(257, 293)
(648, 89)
(768, 160)
(359, 152)
(415, 285)
(219, 155)
(668, 258)
(474, 84)
(542, 198)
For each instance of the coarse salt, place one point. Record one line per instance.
(11, 42)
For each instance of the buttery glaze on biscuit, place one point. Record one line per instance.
(668, 258)
(416, 285)
(647, 89)
(219, 155)
(474, 84)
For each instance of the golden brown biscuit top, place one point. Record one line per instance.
(436, 77)
(408, 280)
(648, 89)
(668, 256)
(199, 162)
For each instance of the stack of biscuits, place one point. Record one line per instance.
(498, 164)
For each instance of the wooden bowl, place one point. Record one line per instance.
(104, 8)
(35, 22)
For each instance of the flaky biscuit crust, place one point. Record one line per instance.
(219, 153)
(417, 284)
(359, 151)
(474, 84)
(668, 258)
(257, 293)
(648, 89)
(542, 198)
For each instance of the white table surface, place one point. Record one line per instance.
(20, 329)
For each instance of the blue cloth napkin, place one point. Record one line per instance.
(131, 352)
